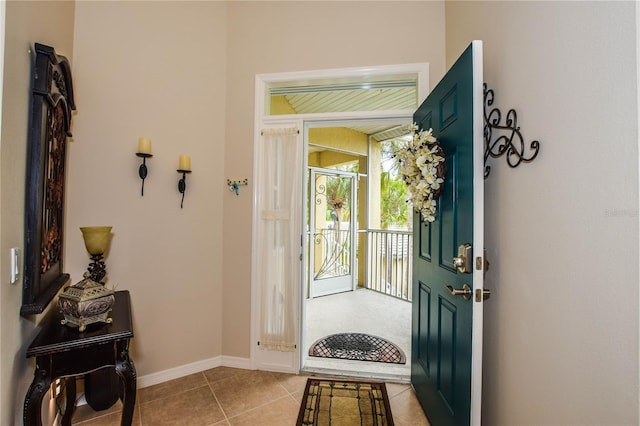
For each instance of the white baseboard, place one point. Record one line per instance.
(236, 362)
(194, 367)
(185, 370)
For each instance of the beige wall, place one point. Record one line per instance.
(181, 73)
(50, 23)
(267, 37)
(561, 330)
(153, 69)
(562, 325)
(168, 78)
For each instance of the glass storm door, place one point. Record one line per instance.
(332, 225)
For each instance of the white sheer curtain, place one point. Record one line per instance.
(278, 237)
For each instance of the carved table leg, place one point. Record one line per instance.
(127, 372)
(33, 400)
(70, 393)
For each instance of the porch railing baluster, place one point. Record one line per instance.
(390, 260)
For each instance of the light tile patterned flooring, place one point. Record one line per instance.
(230, 396)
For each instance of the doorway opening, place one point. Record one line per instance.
(350, 252)
(359, 246)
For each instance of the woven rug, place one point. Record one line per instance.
(357, 346)
(344, 403)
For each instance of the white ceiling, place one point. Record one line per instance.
(322, 99)
(382, 99)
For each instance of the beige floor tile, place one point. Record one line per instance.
(282, 412)
(406, 410)
(394, 389)
(161, 390)
(243, 392)
(85, 415)
(84, 412)
(291, 382)
(112, 419)
(219, 373)
(298, 396)
(246, 397)
(193, 407)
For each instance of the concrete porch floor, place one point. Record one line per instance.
(360, 311)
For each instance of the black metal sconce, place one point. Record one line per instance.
(512, 143)
(144, 151)
(184, 168)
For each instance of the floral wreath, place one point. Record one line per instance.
(422, 167)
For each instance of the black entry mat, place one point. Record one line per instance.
(357, 346)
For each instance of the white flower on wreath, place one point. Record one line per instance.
(419, 166)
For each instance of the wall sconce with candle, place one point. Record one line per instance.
(144, 151)
(184, 167)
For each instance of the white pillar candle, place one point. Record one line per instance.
(185, 162)
(144, 146)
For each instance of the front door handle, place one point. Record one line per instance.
(465, 292)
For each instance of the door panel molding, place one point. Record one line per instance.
(424, 327)
(448, 109)
(448, 214)
(425, 242)
(447, 319)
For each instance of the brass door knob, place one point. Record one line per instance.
(463, 262)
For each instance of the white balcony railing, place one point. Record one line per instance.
(390, 255)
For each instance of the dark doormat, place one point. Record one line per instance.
(341, 402)
(357, 346)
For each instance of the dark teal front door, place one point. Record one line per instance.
(446, 350)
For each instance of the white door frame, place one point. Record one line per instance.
(291, 361)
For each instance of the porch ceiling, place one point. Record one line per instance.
(372, 97)
(379, 99)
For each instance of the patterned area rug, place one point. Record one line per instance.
(357, 346)
(340, 402)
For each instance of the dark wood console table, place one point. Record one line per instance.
(63, 352)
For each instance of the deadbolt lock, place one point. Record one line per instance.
(464, 261)
(482, 295)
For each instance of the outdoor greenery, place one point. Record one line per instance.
(338, 194)
(394, 210)
(393, 199)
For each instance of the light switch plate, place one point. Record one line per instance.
(15, 264)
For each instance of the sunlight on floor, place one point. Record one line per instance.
(360, 311)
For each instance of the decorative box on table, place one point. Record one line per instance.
(89, 301)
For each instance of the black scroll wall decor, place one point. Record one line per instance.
(50, 122)
(508, 139)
